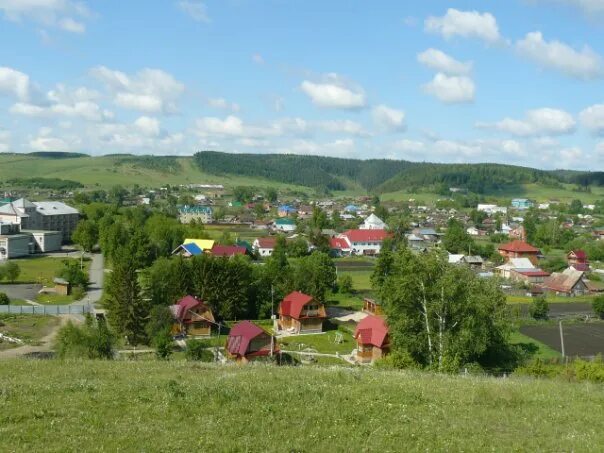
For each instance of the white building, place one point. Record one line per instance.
(492, 209)
(373, 222)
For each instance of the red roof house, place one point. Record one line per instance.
(519, 249)
(192, 317)
(265, 246)
(300, 313)
(227, 250)
(247, 341)
(365, 242)
(372, 339)
(577, 259)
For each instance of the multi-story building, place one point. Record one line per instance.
(41, 215)
(202, 214)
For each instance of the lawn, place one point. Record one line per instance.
(41, 269)
(536, 349)
(325, 343)
(29, 328)
(183, 406)
(54, 299)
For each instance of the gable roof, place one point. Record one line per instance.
(181, 310)
(203, 244)
(338, 244)
(53, 208)
(518, 246)
(579, 254)
(228, 250)
(240, 337)
(372, 330)
(267, 242)
(292, 304)
(366, 235)
(191, 248)
(563, 281)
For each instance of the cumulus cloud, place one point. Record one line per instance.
(467, 24)
(148, 91)
(49, 13)
(441, 62)
(231, 126)
(334, 92)
(148, 126)
(407, 146)
(195, 10)
(223, 104)
(389, 119)
(14, 83)
(538, 122)
(451, 89)
(582, 64)
(592, 118)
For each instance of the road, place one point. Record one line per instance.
(97, 278)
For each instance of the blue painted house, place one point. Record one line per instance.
(522, 203)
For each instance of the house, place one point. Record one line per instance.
(299, 313)
(265, 246)
(248, 341)
(519, 249)
(187, 214)
(372, 338)
(522, 203)
(41, 215)
(577, 259)
(529, 276)
(228, 251)
(455, 258)
(491, 209)
(191, 317)
(260, 224)
(339, 246)
(372, 307)
(373, 222)
(365, 242)
(505, 270)
(193, 247)
(284, 224)
(474, 261)
(415, 242)
(570, 282)
(286, 210)
(473, 231)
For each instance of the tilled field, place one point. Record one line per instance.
(580, 339)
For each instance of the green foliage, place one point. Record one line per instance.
(345, 284)
(553, 264)
(4, 299)
(162, 164)
(539, 308)
(73, 273)
(10, 271)
(45, 183)
(243, 194)
(93, 340)
(315, 275)
(164, 344)
(578, 370)
(598, 306)
(297, 248)
(160, 320)
(197, 350)
(86, 235)
(456, 239)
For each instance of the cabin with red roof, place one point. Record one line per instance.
(265, 246)
(577, 259)
(247, 341)
(372, 338)
(227, 250)
(192, 317)
(519, 249)
(300, 313)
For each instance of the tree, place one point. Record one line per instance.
(345, 284)
(443, 316)
(12, 271)
(576, 207)
(319, 218)
(163, 343)
(554, 264)
(117, 195)
(539, 308)
(86, 235)
(271, 194)
(93, 340)
(297, 248)
(457, 239)
(198, 350)
(4, 299)
(243, 194)
(598, 306)
(315, 274)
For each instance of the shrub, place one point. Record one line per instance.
(90, 341)
(539, 308)
(598, 306)
(345, 284)
(4, 299)
(198, 350)
(163, 343)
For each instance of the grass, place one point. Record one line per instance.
(550, 299)
(54, 299)
(536, 349)
(29, 328)
(182, 406)
(41, 269)
(323, 343)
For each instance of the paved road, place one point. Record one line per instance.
(21, 291)
(97, 278)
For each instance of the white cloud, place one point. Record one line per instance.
(47, 141)
(223, 104)
(389, 119)
(196, 10)
(149, 90)
(593, 119)
(148, 126)
(406, 145)
(334, 92)
(451, 89)
(441, 62)
(583, 64)
(14, 83)
(538, 122)
(340, 127)
(5, 138)
(231, 126)
(467, 24)
(49, 13)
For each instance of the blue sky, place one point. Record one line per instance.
(515, 81)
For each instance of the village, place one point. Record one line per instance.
(347, 325)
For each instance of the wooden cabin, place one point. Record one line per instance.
(300, 313)
(372, 307)
(248, 341)
(372, 338)
(192, 317)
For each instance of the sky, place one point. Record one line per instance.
(514, 81)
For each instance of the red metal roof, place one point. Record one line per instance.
(579, 254)
(185, 304)
(240, 336)
(267, 243)
(292, 304)
(227, 250)
(338, 243)
(366, 235)
(533, 273)
(518, 247)
(372, 330)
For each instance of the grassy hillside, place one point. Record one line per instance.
(179, 406)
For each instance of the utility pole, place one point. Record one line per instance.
(561, 338)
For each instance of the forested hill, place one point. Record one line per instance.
(378, 175)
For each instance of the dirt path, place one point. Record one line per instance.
(46, 342)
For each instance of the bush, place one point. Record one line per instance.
(598, 306)
(198, 350)
(345, 284)
(4, 300)
(163, 343)
(90, 341)
(539, 308)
